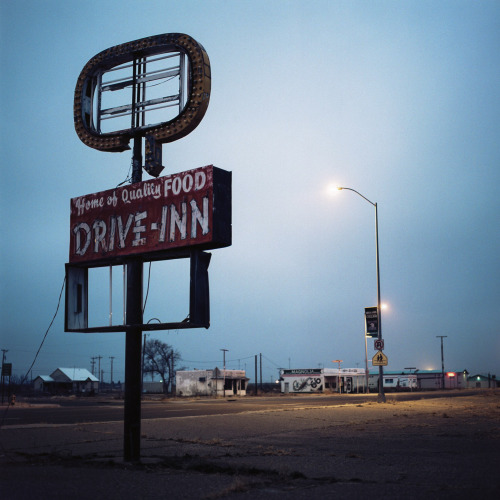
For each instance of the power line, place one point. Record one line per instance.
(271, 361)
(39, 349)
(46, 333)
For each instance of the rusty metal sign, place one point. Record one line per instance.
(132, 68)
(153, 218)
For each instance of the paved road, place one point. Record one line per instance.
(84, 410)
(438, 447)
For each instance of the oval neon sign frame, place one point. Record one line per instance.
(198, 92)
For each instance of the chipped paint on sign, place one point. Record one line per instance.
(191, 208)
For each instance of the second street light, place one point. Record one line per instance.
(381, 394)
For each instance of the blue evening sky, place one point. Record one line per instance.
(397, 100)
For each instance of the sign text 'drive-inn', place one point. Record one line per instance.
(191, 208)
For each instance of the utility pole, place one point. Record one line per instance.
(4, 352)
(442, 359)
(111, 358)
(261, 371)
(224, 365)
(99, 374)
(255, 388)
(172, 375)
(92, 364)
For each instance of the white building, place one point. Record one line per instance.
(398, 381)
(67, 380)
(479, 381)
(211, 383)
(311, 380)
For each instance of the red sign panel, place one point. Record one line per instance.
(153, 217)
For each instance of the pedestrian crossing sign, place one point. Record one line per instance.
(380, 359)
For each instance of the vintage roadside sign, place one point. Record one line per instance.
(153, 218)
(302, 371)
(176, 216)
(380, 359)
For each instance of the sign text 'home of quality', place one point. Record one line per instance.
(191, 208)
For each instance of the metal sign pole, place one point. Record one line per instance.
(133, 340)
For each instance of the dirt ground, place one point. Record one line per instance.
(429, 448)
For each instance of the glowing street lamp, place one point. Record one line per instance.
(381, 394)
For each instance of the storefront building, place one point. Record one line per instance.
(211, 383)
(318, 380)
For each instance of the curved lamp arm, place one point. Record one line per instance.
(364, 197)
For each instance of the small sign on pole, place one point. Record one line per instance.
(7, 370)
(371, 321)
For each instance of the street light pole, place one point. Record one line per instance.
(381, 394)
(442, 359)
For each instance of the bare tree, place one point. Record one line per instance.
(162, 359)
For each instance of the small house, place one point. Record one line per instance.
(67, 380)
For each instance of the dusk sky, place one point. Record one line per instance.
(397, 100)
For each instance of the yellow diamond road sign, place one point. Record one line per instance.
(380, 359)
